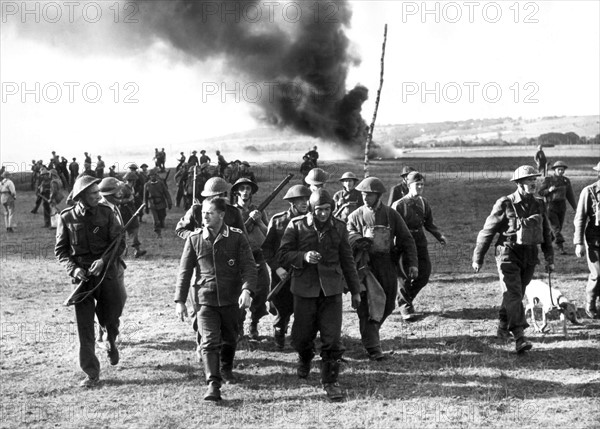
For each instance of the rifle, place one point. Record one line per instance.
(194, 186)
(79, 294)
(278, 287)
(271, 197)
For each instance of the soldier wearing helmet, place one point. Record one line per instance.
(379, 235)
(283, 302)
(256, 225)
(316, 179)
(214, 187)
(521, 223)
(540, 160)
(401, 189)
(128, 207)
(348, 199)
(305, 167)
(157, 199)
(587, 231)
(85, 231)
(315, 247)
(557, 190)
(416, 212)
(313, 155)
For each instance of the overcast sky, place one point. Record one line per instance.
(453, 61)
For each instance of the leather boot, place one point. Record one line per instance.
(304, 365)
(279, 337)
(329, 375)
(227, 355)
(591, 310)
(211, 362)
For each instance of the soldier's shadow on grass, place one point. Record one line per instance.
(468, 314)
(177, 345)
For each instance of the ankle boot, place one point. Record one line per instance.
(330, 370)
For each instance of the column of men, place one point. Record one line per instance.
(376, 252)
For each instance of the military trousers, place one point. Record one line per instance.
(385, 271)
(107, 304)
(408, 289)
(9, 211)
(158, 215)
(324, 315)
(515, 274)
(216, 327)
(592, 289)
(556, 217)
(258, 308)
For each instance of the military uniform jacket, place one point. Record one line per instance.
(540, 158)
(255, 236)
(224, 267)
(587, 215)
(156, 195)
(192, 219)
(275, 230)
(342, 197)
(337, 264)
(416, 213)
(503, 220)
(563, 191)
(397, 192)
(83, 234)
(402, 241)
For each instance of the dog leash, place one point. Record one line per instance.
(550, 287)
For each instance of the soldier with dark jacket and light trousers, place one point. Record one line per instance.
(226, 273)
(587, 232)
(316, 250)
(521, 223)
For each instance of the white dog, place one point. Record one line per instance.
(539, 293)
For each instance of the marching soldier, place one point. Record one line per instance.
(283, 301)
(228, 284)
(84, 232)
(348, 199)
(521, 222)
(380, 231)
(128, 208)
(157, 199)
(540, 160)
(587, 231)
(305, 167)
(416, 213)
(181, 178)
(74, 171)
(557, 190)
(242, 192)
(100, 165)
(401, 189)
(315, 246)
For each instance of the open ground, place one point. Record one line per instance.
(445, 370)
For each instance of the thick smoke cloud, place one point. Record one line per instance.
(298, 55)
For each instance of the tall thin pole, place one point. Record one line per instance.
(370, 135)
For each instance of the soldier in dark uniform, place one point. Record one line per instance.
(283, 301)
(157, 199)
(128, 208)
(215, 187)
(587, 232)
(305, 167)
(242, 192)
(380, 231)
(84, 232)
(245, 171)
(416, 213)
(521, 222)
(540, 160)
(204, 158)
(222, 163)
(100, 165)
(192, 159)
(315, 248)
(181, 177)
(74, 171)
(43, 191)
(228, 284)
(557, 190)
(348, 199)
(181, 161)
(401, 189)
(314, 156)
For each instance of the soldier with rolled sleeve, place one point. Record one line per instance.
(557, 190)
(157, 199)
(521, 222)
(315, 248)
(85, 231)
(283, 301)
(416, 212)
(587, 232)
(380, 231)
(226, 274)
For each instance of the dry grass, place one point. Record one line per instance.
(446, 370)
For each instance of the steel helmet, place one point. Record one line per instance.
(523, 172)
(559, 164)
(215, 186)
(244, 181)
(82, 183)
(320, 197)
(348, 175)
(297, 191)
(130, 176)
(371, 184)
(405, 170)
(109, 186)
(316, 176)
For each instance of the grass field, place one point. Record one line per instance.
(445, 370)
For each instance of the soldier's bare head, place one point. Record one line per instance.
(213, 212)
